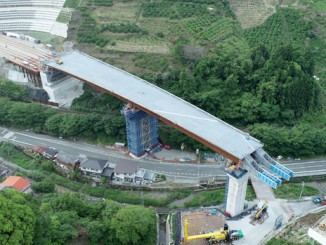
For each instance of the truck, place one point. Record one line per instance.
(214, 236)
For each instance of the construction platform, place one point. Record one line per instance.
(23, 53)
(201, 222)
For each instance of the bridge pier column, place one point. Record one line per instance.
(142, 130)
(236, 195)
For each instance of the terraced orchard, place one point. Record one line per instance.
(211, 28)
(251, 13)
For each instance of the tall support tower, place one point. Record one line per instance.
(142, 130)
(258, 163)
(236, 190)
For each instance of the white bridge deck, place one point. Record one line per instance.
(172, 110)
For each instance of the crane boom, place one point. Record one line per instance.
(214, 236)
(257, 216)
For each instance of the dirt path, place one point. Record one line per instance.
(181, 202)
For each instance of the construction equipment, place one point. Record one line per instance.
(261, 215)
(59, 62)
(213, 236)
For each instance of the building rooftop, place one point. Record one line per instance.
(107, 172)
(165, 106)
(16, 182)
(38, 149)
(93, 163)
(124, 167)
(64, 157)
(51, 151)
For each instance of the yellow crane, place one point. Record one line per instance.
(261, 215)
(263, 209)
(213, 236)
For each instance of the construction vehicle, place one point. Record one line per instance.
(212, 237)
(261, 215)
(59, 62)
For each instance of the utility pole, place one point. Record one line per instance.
(301, 190)
(198, 157)
(182, 148)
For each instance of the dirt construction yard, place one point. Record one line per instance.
(200, 222)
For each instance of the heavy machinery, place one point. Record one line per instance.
(261, 215)
(213, 236)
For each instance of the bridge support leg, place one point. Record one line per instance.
(142, 130)
(237, 188)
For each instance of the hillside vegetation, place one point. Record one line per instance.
(268, 79)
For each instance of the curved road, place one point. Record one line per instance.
(300, 168)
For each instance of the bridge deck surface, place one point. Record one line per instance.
(193, 121)
(23, 53)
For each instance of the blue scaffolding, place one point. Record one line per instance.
(142, 130)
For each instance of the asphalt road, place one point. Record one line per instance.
(300, 168)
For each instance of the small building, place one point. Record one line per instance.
(125, 171)
(93, 167)
(119, 145)
(50, 153)
(149, 175)
(38, 150)
(67, 160)
(139, 177)
(16, 182)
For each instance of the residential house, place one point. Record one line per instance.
(38, 150)
(66, 160)
(93, 167)
(16, 182)
(149, 176)
(50, 153)
(144, 176)
(125, 171)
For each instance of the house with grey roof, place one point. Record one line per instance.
(93, 167)
(66, 160)
(125, 171)
(50, 153)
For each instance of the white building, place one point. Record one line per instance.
(93, 167)
(125, 171)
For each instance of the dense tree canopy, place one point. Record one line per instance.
(262, 87)
(134, 225)
(17, 222)
(62, 218)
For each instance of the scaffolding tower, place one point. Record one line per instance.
(142, 130)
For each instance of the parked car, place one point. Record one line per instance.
(316, 200)
(167, 147)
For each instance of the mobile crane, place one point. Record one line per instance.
(213, 236)
(261, 215)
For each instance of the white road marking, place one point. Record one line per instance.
(21, 142)
(8, 135)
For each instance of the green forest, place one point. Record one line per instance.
(69, 217)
